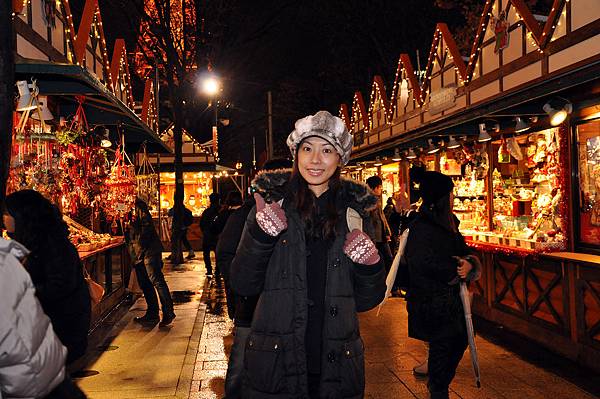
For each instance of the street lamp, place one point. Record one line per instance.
(210, 87)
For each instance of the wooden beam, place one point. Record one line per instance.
(148, 93)
(39, 42)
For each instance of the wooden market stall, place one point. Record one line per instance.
(516, 123)
(75, 105)
(201, 177)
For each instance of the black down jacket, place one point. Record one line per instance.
(434, 307)
(275, 356)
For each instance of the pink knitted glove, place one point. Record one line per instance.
(270, 217)
(360, 248)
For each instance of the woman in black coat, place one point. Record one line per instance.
(313, 275)
(437, 259)
(54, 266)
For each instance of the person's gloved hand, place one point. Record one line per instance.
(270, 217)
(360, 248)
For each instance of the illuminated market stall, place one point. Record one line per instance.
(74, 127)
(516, 123)
(201, 177)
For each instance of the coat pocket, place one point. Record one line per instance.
(263, 363)
(352, 368)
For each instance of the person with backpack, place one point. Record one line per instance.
(312, 270)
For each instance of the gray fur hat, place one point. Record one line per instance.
(326, 126)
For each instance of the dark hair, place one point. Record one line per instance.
(374, 181)
(234, 198)
(304, 201)
(39, 224)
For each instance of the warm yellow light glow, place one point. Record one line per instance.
(558, 117)
(210, 86)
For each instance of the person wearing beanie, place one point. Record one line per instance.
(313, 273)
(438, 258)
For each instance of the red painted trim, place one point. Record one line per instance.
(553, 18)
(148, 93)
(378, 83)
(453, 49)
(360, 102)
(412, 78)
(85, 26)
(343, 113)
(530, 22)
(116, 60)
(479, 36)
(17, 6)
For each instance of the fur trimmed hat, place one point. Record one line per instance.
(326, 126)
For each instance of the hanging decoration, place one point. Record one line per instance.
(49, 9)
(119, 197)
(500, 26)
(503, 153)
(78, 127)
(147, 180)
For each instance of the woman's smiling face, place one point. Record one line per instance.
(317, 162)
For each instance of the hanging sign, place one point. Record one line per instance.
(442, 99)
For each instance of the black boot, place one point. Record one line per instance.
(167, 318)
(147, 319)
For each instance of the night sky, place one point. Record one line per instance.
(312, 54)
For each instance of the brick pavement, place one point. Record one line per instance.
(389, 358)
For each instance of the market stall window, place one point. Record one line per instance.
(468, 167)
(390, 176)
(528, 192)
(588, 146)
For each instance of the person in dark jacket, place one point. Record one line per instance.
(233, 200)
(240, 308)
(147, 251)
(382, 233)
(437, 259)
(209, 238)
(312, 274)
(54, 266)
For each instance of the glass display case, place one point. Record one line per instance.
(527, 191)
(588, 151)
(468, 168)
(509, 191)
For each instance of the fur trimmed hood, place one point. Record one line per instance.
(272, 185)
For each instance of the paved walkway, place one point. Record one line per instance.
(189, 360)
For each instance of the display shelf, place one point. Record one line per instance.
(88, 254)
